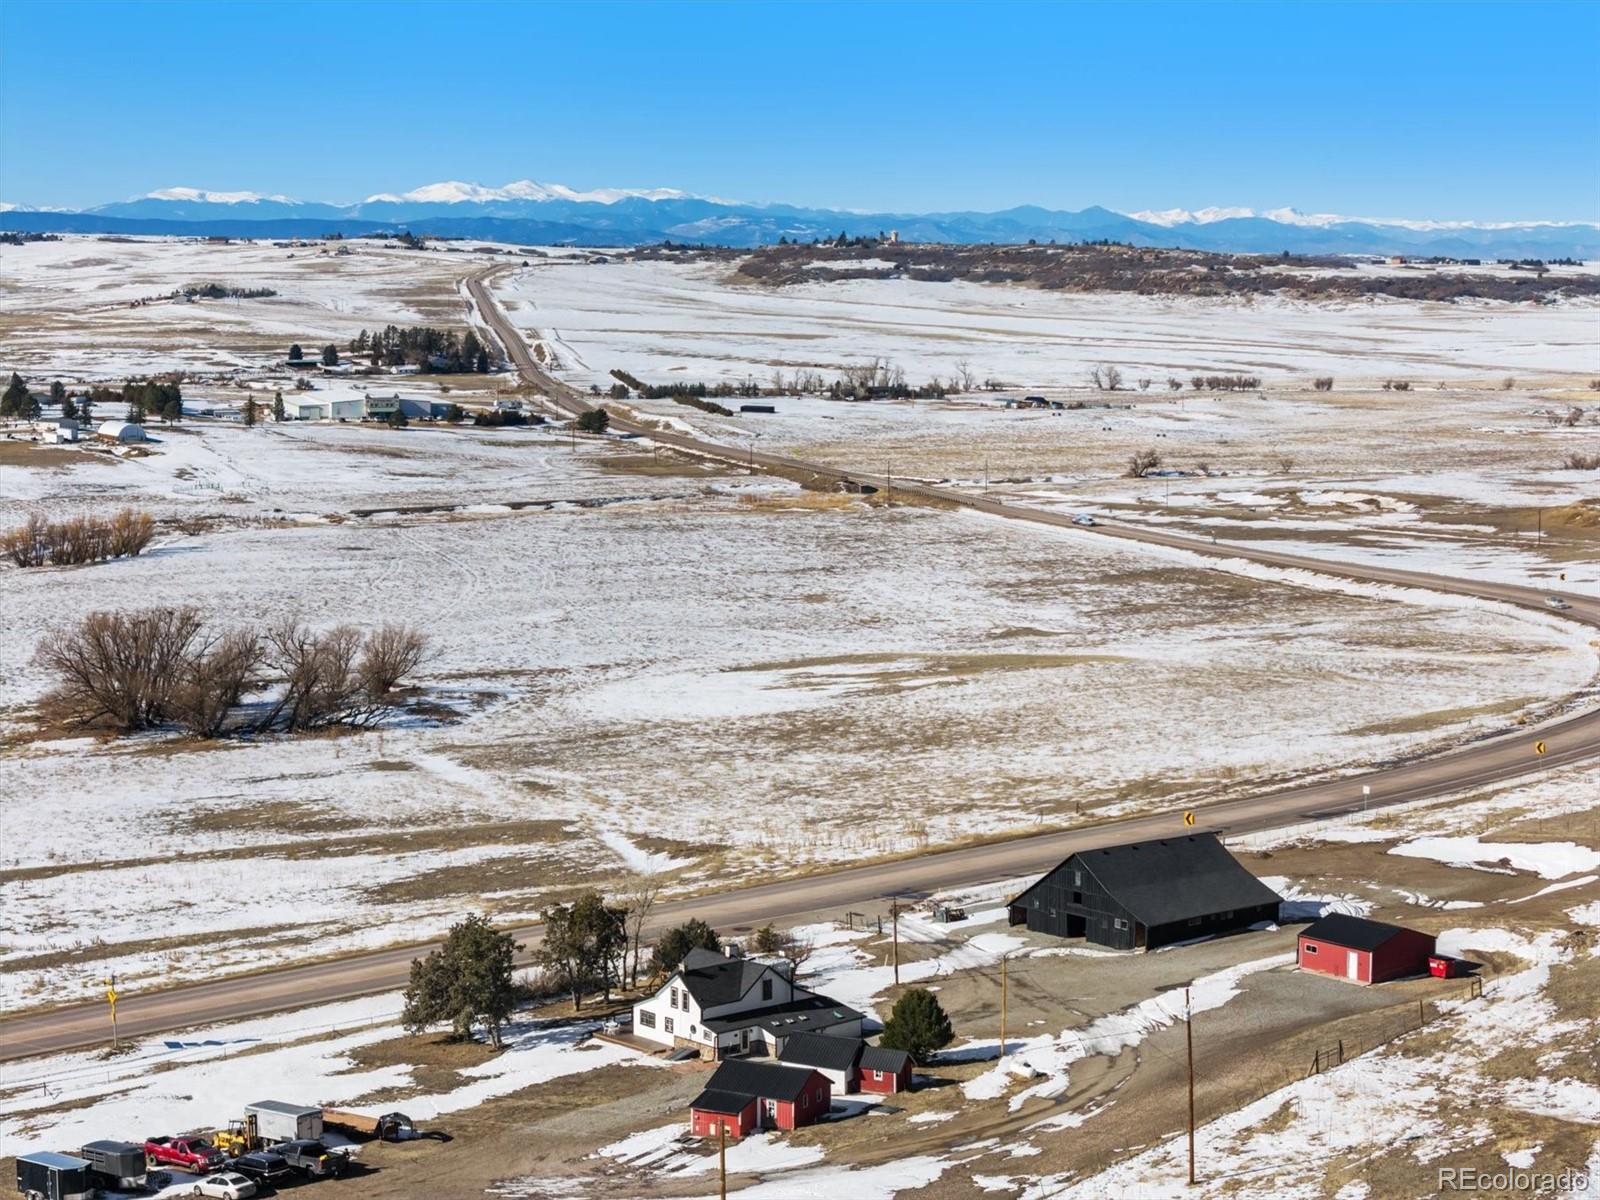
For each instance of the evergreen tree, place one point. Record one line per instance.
(583, 945)
(86, 410)
(917, 1024)
(58, 392)
(69, 410)
(674, 944)
(278, 413)
(172, 411)
(17, 398)
(397, 419)
(467, 981)
(595, 420)
(295, 353)
(251, 412)
(330, 355)
(135, 413)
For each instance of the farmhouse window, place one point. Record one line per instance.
(1077, 879)
(1077, 897)
(1310, 949)
(647, 1018)
(674, 1003)
(667, 1024)
(766, 989)
(1119, 923)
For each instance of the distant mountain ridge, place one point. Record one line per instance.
(530, 212)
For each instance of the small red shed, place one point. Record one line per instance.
(727, 1110)
(781, 1097)
(884, 1071)
(1363, 951)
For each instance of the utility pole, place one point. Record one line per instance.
(888, 484)
(894, 916)
(1188, 1033)
(986, 477)
(722, 1159)
(1003, 960)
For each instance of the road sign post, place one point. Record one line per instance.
(111, 1001)
(1188, 819)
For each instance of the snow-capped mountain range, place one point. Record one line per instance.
(532, 212)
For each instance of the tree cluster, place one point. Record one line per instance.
(466, 982)
(78, 540)
(585, 946)
(594, 420)
(431, 350)
(163, 666)
(1225, 383)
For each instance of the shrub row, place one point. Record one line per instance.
(77, 540)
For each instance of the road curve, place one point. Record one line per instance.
(1508, 755)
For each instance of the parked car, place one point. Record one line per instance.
(312, 1157)
(1556, 602)
(226, 1185)
(191, 1154)
(1084, 519)
(262, 1166)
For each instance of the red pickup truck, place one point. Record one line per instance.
(188, 1153)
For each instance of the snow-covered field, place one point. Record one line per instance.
(664, 321)
(67, 308)
(1010, 673)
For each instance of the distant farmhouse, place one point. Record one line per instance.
(1147, 894)
(723, 1006)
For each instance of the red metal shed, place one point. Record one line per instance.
(1363, 951)
(728, 1110)
(885, 1071)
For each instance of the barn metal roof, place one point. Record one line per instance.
(820, 1050)
(1353, 933)
(769, 1081)
(1171, 879)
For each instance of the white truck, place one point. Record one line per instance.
(276, 1121)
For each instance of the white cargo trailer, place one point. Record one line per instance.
(277, 1121)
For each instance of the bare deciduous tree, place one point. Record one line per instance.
(1143, 462)
(213, 681)
(638, 898)
(392, 652)
(966, 381)
(121, 667)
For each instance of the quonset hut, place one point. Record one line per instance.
(1147, 894)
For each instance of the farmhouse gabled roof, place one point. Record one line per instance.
(806, 1014)
(820, 1050)
(877, 1058)
(714, 979)
(727, 1103)
(768, 1081)
(1353, 933)
(1170, 879)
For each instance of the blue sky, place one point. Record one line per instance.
(1452, 111)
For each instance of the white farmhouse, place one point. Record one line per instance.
(723, 1006)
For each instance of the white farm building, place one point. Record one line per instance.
(120, 431)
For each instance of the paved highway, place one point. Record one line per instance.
(1571, 739)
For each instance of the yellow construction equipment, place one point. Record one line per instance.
(240, 1137)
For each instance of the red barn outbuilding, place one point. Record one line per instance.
(885, 1071)
(729, 1110)
(1363, 951)
(742, 1095)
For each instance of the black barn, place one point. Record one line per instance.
(1147, 894)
